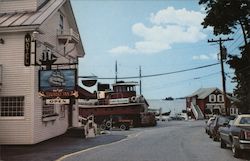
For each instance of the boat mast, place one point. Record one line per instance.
(116, 71)
(140, 78)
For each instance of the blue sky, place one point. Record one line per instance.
(160, 36)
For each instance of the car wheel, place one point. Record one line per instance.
(223, 145)
(236, 151)
(210, 135)
(123, 127)
(103, 127)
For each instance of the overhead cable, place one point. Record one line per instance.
(161, 74)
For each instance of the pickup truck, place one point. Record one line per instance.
(236, 134)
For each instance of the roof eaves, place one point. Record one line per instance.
(74, 19)
(19, 28)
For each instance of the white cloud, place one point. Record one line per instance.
(168, 26)
(180, 17)
(205, 57)
(122, 50)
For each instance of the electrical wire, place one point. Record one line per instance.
(161, 74)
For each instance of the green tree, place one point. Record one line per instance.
(224, 16)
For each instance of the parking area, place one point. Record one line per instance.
(54, 148)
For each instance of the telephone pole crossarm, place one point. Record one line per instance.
(220, 40)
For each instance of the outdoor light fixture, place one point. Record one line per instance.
(35, 35)
(1, 41)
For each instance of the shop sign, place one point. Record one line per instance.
(57, 101)
(59, 93)
(27, 49)
(118, 101)
(58, 83)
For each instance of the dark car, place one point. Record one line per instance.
(237, 135)
(208, 123)
(219, 121)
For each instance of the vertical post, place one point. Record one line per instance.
(140, 78)
(223, 78)
(116, 71)
(222, 71)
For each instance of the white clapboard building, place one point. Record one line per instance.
(32, 34)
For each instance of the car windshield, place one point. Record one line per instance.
(245, 120)
(222, 120)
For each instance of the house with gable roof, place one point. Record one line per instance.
(34, 32)
(204, 102)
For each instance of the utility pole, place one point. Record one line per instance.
(223, 57)
(140, 78)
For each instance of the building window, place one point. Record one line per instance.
(61, 23)
(62, 111)
(220, 98)
(12, 106)
(1, 77)
(212, 98)
(48, 110)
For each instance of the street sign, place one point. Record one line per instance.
(57, 101)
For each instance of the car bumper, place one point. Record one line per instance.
(244, 144)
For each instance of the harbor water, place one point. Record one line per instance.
(175, 106)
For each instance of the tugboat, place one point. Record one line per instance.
(121, 106)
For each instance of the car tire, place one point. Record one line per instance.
(236, 151)
(123, 127)
(223, 145)
(103, 127)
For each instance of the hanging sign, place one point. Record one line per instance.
(57, 101)
(27, 49)
(57, 83)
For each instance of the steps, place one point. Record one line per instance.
(197, 112)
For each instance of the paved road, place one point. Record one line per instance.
(173, 141)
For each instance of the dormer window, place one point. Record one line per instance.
(212, 98)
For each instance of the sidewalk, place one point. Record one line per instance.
(54, 148)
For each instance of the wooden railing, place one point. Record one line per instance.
(69, 33)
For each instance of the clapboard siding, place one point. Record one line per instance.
(16, 82)
(43, 130)
(18, 6)
(19, 80)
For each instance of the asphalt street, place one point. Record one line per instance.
(169, 141)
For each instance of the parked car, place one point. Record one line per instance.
(237, 135)
(219, 121)
(208, 123)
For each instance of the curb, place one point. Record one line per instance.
(99, 146)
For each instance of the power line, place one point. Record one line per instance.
(181, 81)
(161, 74)
(237, 47)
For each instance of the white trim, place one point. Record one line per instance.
(215, 104)
(245, 141)
(19, 29)
(12, 118)
(212, 98)
(224, 134)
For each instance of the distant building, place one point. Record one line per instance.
(33, 32)
(205, 102)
